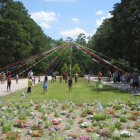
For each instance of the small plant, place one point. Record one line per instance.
(91, 129)
(67, 127)
(133, 117)
(123, 119)
(136, 126)
(13, 135)
(74, 136)
(3, 120)
(111, 128)
(70, 110)
(36, 127)
(125, 134)
(36, 134)
(47, 124)
(6, 127)
(57, 114)
(99, 116)
(80, 104)
(9, 110)
(111, 111)
(21, 123)
(118, 125)
(22, 116)
(56, 121)
(105, 134)
(80, 121)
(95, 123)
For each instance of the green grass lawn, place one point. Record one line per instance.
(80, 90)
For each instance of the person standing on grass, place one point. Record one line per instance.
(9, 81)
(100, 75)
(70, 84)
(135, 76)
(60, 78)
(126, 85)
(63, 75)
(66, 77)
(29, 85)
(88, 78)
(99, 85)
(76, 77)
(45, 87)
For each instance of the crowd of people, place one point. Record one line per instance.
(131, 80)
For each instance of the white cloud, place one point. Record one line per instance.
(74, 32)
(59, 0)
(44, 16)
(59, 15)
(99, 22)
(94, 31)
(76, 20)
(99, 12)
(44, 25)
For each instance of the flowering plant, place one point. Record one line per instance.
(133, 117)
(12, 135)
(137, 113)
(56, 121)
(136, 126)
(89, 116)
(111, 111)
(84, 137)
(84, 125)
(118, 125)
(126, 134)
(20, 123)
(55, 127)
(80, 104)
(64, 106)
(72, 135)
(67, 116)
(36, 134)
(36, 127)
(89, 104)
(91, 129)
(80, 121)
(63, 112)
(105, 134)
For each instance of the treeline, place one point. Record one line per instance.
(20, 36)
(119, 37)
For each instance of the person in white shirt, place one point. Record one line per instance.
(31, 74)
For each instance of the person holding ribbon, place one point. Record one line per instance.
(100, 75)
(99, 85)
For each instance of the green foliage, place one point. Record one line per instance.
(118, 37)
(76, 68)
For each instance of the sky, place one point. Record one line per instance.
(68, 18)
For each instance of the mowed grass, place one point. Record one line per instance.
(81, 90)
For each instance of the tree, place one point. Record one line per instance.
(81, 39)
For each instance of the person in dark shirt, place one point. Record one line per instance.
(70, 84)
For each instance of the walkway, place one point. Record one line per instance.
(119, 85)
(22, 83)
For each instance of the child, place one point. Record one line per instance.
(29, 85)
(88, 78)
(34, 79)
(45, 85)
(16, 78)
(60, 78)
(39, 79)
(126, 85)
(70, 84)
(99, 85)
(131, 82)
